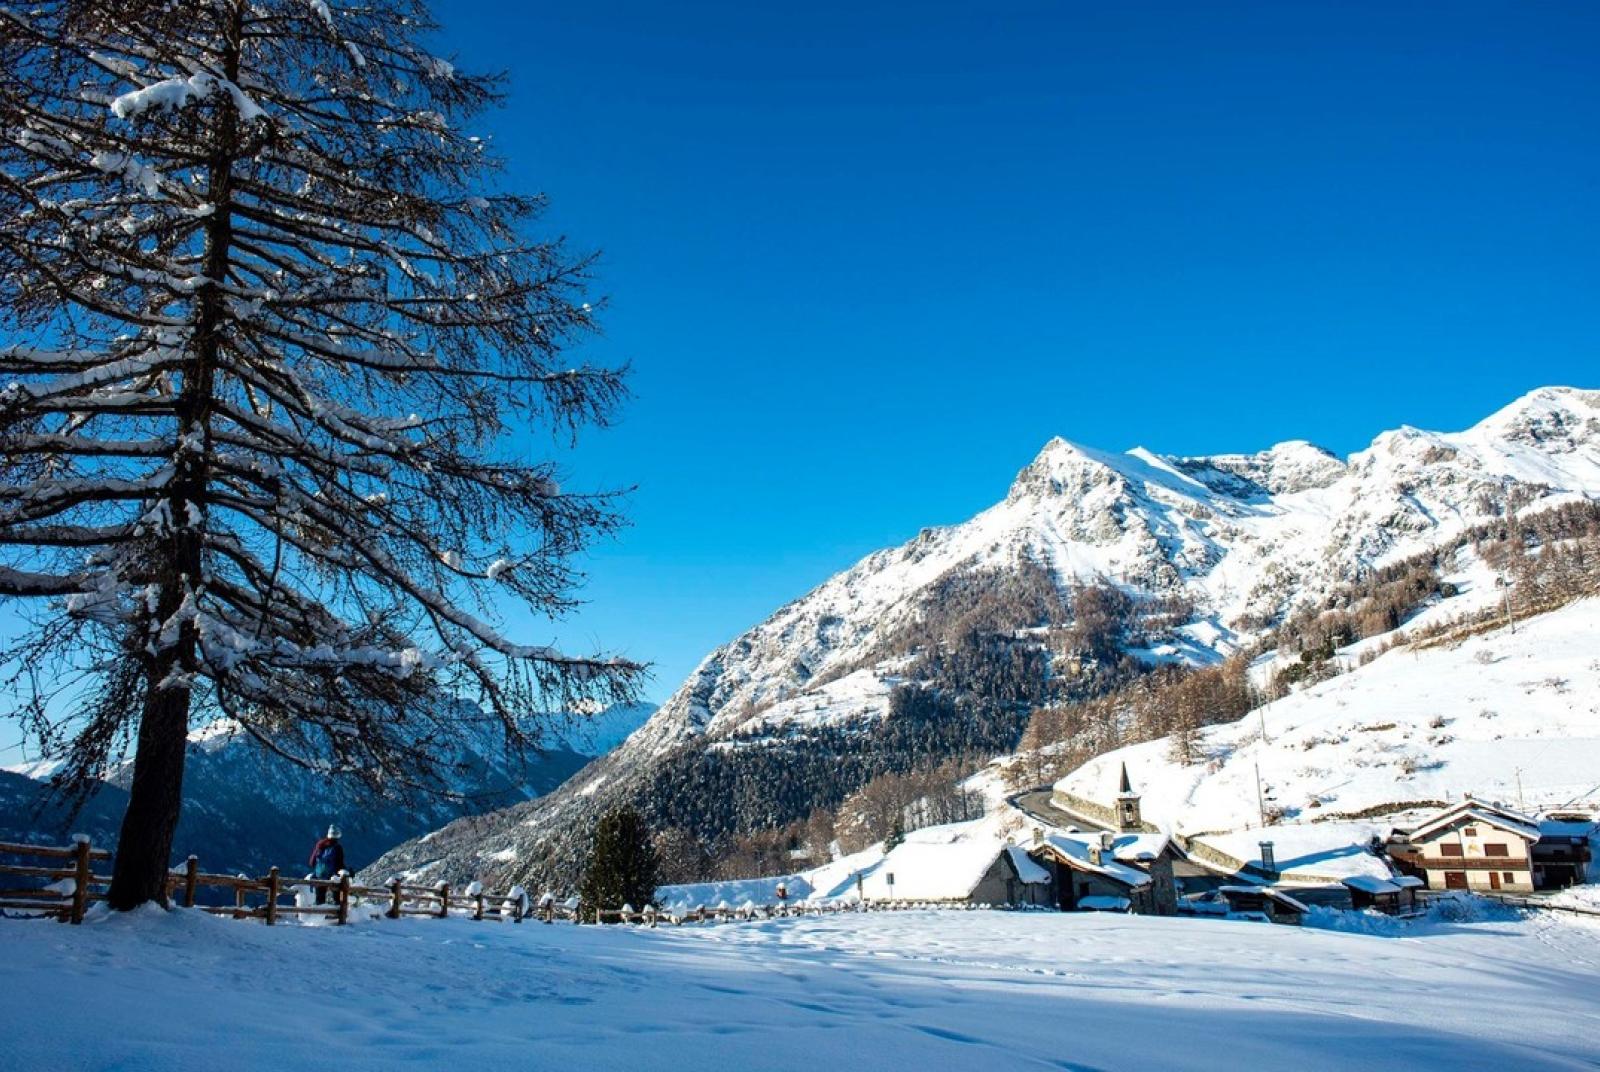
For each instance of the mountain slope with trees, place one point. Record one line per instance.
(1099, 575)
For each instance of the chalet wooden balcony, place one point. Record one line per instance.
(1466, 863)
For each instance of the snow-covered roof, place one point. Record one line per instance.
(1101, 903)
(1370, 884)
(1469, 810)
(1074, 850)
(923, 872)
(1129, 848)
(1027, 869)
(1408, 882)
(1267, 891)
(1139, 847)
(943, 863)
(936, 863)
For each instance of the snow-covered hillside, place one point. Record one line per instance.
(1236, 540)
(922, 990)
(1241, 535)
(1505, 715)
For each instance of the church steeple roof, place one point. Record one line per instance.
(1125, 785)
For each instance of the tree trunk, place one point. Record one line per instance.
(156, 797)
(145, 844)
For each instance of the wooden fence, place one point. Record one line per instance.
(65, 884)
(62, 885)
(1541, 903)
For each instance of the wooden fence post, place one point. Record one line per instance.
(444, 900)
(80, 878)
(191, 876)
(394, 898)
(272, 896)
(238, 898)
(343, 915)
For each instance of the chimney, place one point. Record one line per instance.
(1107, 840)
(1269, 858)
(1094, 854)
(1038, 835)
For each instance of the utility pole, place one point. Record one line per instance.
(1261, 807)
(1261, 713)
(1520, 802)
(1505, 602)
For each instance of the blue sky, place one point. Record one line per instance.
(866, 259)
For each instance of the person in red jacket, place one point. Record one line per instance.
(327, 860)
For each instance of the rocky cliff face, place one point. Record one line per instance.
(1236, 540)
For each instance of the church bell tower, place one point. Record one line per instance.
(1128, 820)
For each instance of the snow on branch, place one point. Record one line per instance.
(278, 321)
(176, 93)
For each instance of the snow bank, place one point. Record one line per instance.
(1441, 915)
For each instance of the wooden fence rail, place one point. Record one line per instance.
(1542, 903)
(74, 885)
(68, 895)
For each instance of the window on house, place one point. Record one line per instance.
(1472, 831)
(1508, 876)
(1450, 850)
(1495, 848)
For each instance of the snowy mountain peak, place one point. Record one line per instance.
(1550, 418)
(1066, 468)
(1245, 537)
(1061, 467)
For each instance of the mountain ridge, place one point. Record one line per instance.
(248, 809)
(1240, 539)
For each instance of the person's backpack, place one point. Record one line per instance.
(327, 858)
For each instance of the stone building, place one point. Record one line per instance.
(1128, 861)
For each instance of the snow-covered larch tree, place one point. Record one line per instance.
(277, 344)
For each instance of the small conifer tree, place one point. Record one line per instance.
(622, 863)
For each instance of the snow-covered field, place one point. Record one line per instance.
(919, 990)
